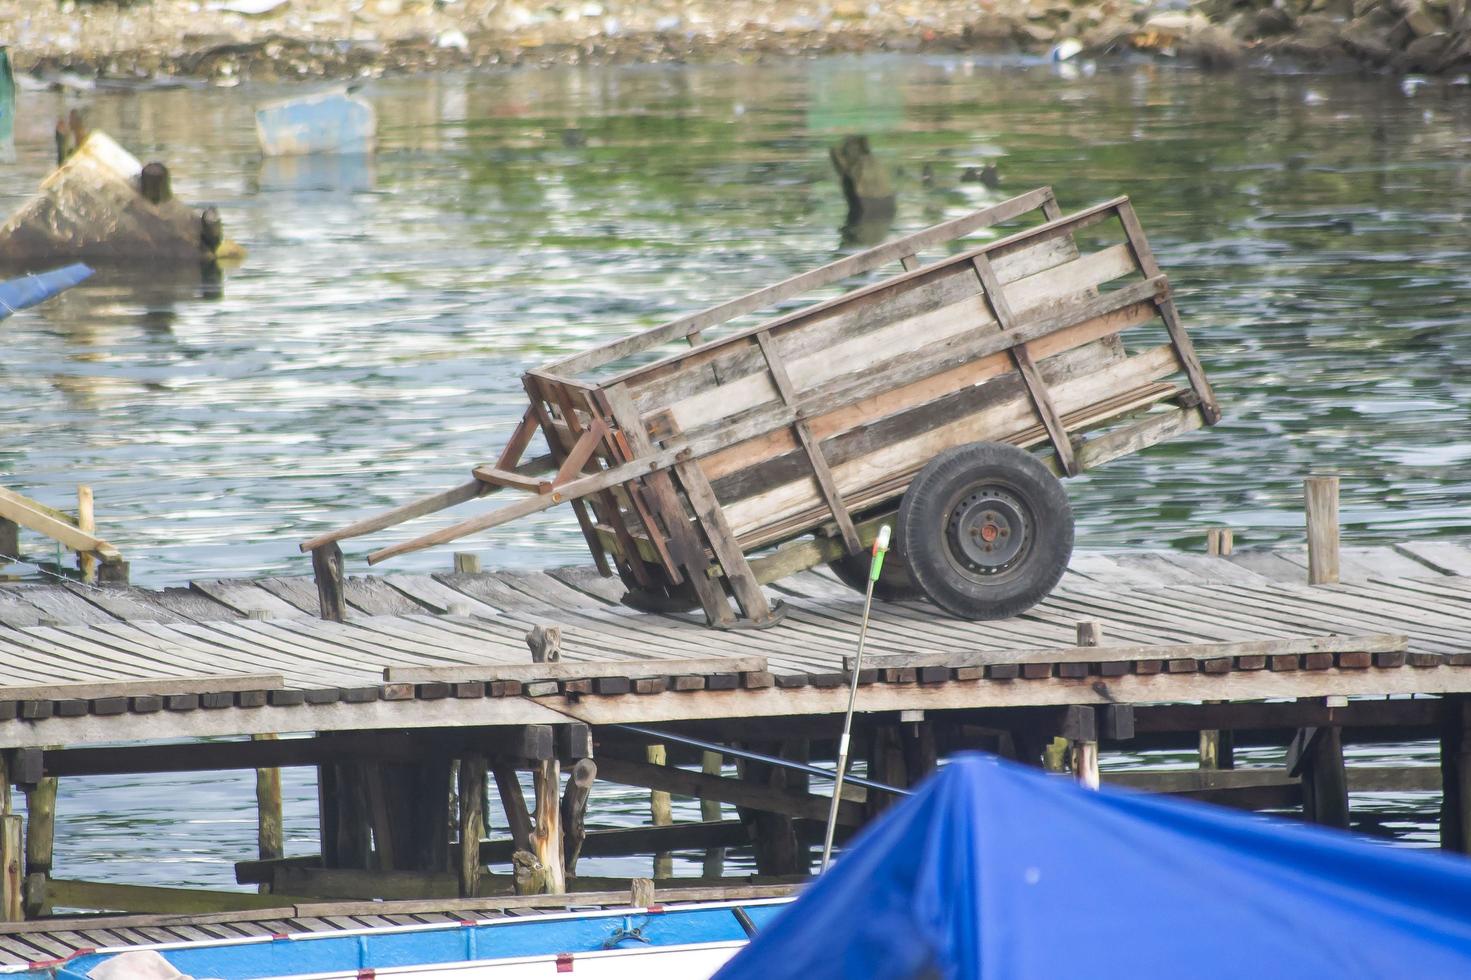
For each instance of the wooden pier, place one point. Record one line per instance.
(439, 687)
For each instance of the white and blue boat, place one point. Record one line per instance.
(691, 941)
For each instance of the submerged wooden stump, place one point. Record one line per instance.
(866, 184)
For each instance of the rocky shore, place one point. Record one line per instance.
(227, 41)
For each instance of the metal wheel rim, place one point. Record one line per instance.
(989, 531)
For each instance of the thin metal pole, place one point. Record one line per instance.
(880, 546)
(770, 760)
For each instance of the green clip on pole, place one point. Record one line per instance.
(880, 548)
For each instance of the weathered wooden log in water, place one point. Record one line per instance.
(865, 180)
(98, 205)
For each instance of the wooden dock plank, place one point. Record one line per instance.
(245, 597)
(437, 597)
(1442, 557)
(295, 590)
(124, 603)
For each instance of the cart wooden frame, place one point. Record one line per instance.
(701, 463)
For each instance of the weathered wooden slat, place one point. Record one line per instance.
(161, 685)
(1374, 643)
(832, 272)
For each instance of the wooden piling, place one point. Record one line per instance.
(467, 563)
(87, 522)
(546, 838)
(1455, 775)
(12, 856)
(712, 764)
(1218, 541)
(660, 810)
(1316, 755)
(327, 567)
(9, 540)
(641, 893)
(40, 831)
(1320, 494)
(472, 773)
(270, 833)
(1085, 752)
(574, 812)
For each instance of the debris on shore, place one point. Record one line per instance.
(102, 205)
(226, 43)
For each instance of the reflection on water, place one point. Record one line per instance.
(369, 349)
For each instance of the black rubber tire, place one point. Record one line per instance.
(965, 503)
(894, 584)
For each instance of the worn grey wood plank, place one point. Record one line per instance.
(375, 597)
(60, 605)
(194, 606)
(437, 597)
(245, 597)
(299, 591)
(1443, 557)
(124, 603)
(588, 581)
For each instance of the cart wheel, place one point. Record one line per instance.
(986, 529)
(894, 584)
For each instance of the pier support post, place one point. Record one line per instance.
(467, 563)
(1218, 541)
(270, 834)
(712, 764)
(1320, 493)
(1316, 755)
(12, 856)
(1455, 775)
(327, 567)
(1084, 752)
(546, 838)
(774, 835)
(40, 833)
(574, 812)
(659, 810)
(472, 821)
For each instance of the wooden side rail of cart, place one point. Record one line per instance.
(680, 467)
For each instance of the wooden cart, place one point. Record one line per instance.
(705, 457)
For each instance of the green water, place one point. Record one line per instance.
(369, 349)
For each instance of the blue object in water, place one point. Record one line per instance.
(17, 294)
(331, 122)
(996, 870)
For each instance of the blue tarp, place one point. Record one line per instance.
(17, 294)
(994, 870)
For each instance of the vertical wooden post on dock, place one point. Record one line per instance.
(1320, 494)
(327, 567)
(86, 522)
(660, 810)
(546, 838)
(467, 563)
(1455, 775)
(270, 834)
(1217, 748)
(472, 772)
(712, 764)
(1218, 541)
(12, 857)
(1084, 752)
